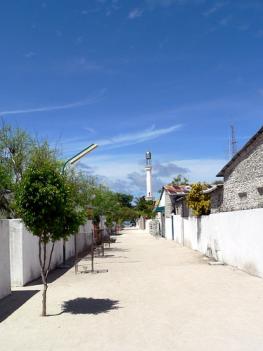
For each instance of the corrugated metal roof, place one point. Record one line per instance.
(177, 189)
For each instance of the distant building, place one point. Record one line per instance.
(216, 193)
(181, 207)
(243, 177)
(166, 205)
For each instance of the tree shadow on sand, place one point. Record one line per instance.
(83, 305)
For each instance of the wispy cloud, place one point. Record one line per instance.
(152, 4)
(135, 13)
(88, 101)
(217, 6)
(90, 130)
(30, 54)
(138, 137)
(225, 21)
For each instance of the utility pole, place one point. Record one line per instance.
(232, 142)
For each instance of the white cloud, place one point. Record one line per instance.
(88, 101)
(138, 137)
(135, 13)
(126, 172)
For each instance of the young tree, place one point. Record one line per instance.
(47, 202)
(198, 201)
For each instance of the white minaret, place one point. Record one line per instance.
(148, 169)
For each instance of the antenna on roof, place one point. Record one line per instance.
(232, 142)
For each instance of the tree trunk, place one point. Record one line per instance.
(44, 300)
(44, 271)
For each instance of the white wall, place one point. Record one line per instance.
(24, 251)
(5, 287)
(147, 226)
(235, 237)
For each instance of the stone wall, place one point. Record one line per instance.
(243, 181)
(216, 198)
(168, 205)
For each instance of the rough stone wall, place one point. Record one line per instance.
(168, 205)
(216, 198)
(181, 208)
(243, 181)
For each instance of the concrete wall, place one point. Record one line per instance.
(236, 237)
(147, 226)
(5, 286)
(24, 251)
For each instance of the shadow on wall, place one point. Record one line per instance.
(55, 274)
(11, 303)
(83, 305)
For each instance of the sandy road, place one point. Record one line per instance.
(155, 296)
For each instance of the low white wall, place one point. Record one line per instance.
(147, 226)
(24, 251)
(235, 237)
(5, 286)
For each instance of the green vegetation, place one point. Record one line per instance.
(52, 203)
(47, 202)
(144, 208)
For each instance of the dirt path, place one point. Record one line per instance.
(155, 296)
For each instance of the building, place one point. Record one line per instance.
(216, 193)
(243, 177)
(167, 203)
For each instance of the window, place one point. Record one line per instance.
(260, 190)
(242, 196)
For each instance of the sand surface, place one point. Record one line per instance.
(156, 295)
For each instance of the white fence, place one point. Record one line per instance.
(235, 237)
(5, 288)
(24, 251)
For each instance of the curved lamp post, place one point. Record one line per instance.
(71, 161)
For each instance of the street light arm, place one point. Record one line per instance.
(79, 155)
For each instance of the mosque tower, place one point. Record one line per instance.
(148, 169)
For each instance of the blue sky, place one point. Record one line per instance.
(169, 76)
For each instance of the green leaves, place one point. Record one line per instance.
(46, 200)
(144, 208)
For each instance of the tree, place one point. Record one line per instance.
(180, 180)
(198, 201)
(125, 200)
(15, 150)
(47, 202)
(144, 208)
